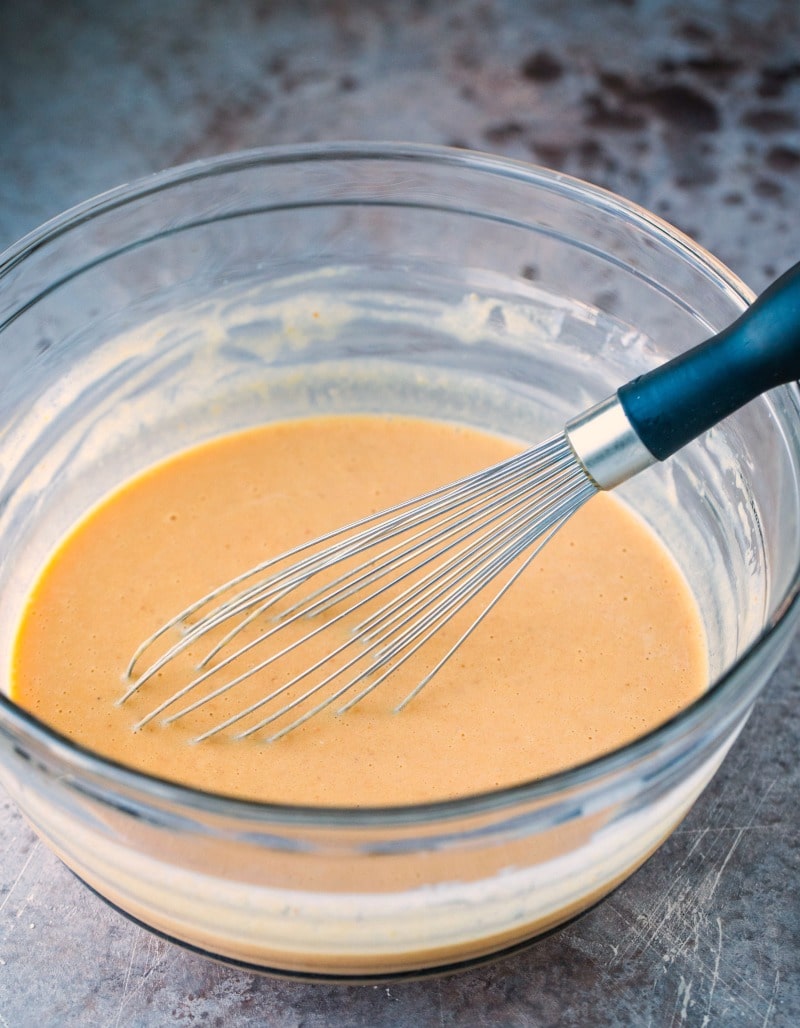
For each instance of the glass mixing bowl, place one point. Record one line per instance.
(370, 278)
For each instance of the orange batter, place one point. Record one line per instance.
(599, 641)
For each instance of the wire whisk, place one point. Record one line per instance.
(365, 598)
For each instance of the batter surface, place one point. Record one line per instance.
(598, 642)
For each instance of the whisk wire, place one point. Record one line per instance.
(502, 511)
(440, 550)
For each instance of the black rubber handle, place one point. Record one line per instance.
(673, 404)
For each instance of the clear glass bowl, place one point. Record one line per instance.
(358, 278)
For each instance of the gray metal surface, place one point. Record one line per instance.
(692, 110)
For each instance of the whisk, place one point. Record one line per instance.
(393, 580)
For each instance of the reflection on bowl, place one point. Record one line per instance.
(443, 283)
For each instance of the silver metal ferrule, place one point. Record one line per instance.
(606, 444)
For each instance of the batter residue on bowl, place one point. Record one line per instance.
(598, 642)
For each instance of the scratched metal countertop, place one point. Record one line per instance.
(691, 109)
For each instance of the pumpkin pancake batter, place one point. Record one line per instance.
(598, 642)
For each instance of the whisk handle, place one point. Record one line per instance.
(675, 403)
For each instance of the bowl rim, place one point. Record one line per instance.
(21, 727)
